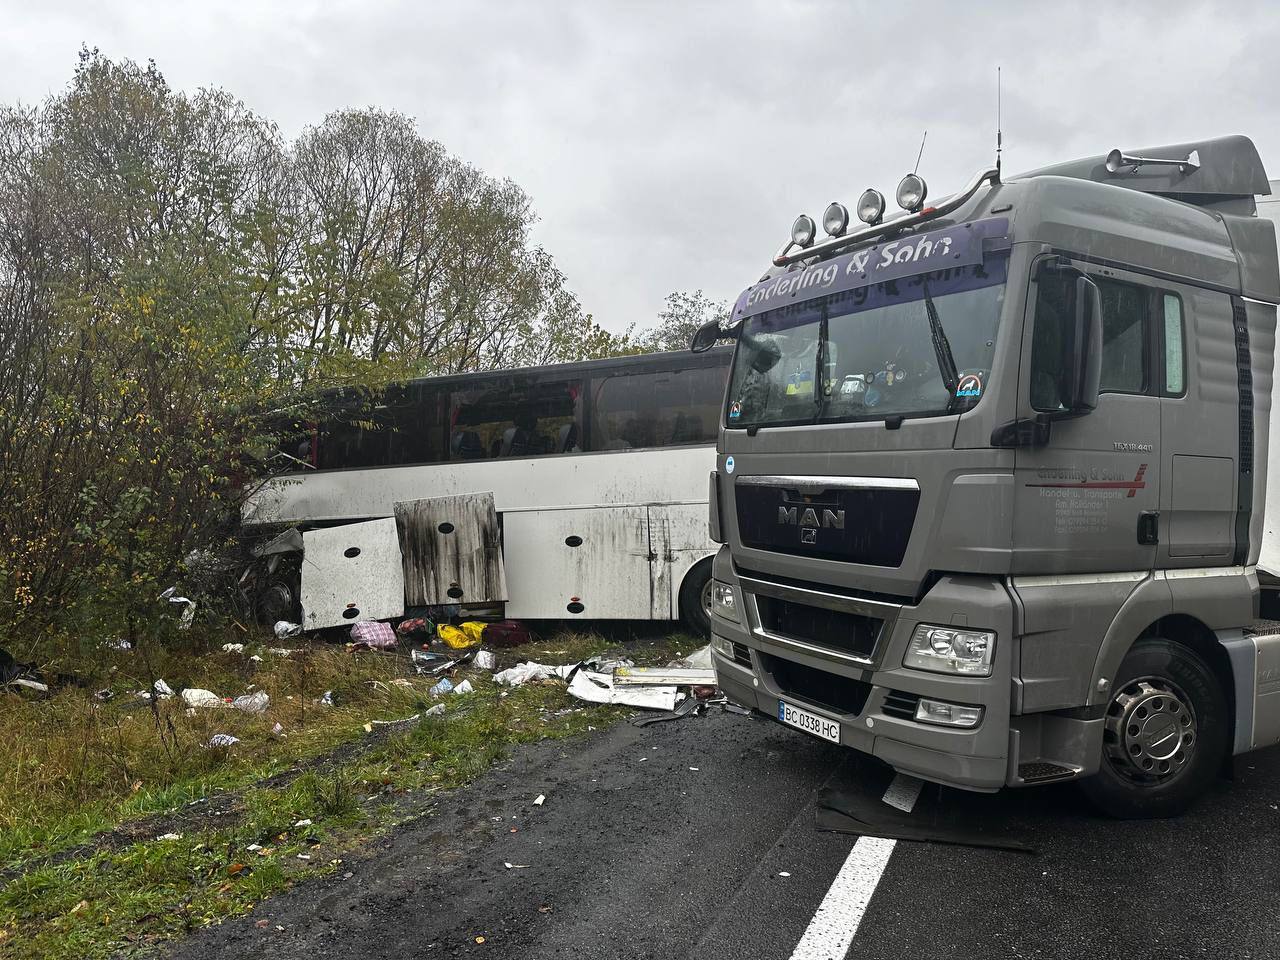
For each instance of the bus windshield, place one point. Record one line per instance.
(871, 353)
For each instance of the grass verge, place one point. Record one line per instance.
(197, 834)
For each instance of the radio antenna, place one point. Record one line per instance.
(999, 134)
(921, 153)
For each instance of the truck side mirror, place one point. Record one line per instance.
(1085, 361)
(705, 337)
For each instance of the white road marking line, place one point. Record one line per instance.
(836, 921)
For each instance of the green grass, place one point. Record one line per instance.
(106, 765)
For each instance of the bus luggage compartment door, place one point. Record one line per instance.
(593, 563)
(351, 573)
(452, 550)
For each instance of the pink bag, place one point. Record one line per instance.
(374, 635)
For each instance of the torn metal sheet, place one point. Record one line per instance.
(599, 688)
(351, 573)
(679, 676)
(452, 550)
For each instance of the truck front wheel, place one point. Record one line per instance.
(1165, 734)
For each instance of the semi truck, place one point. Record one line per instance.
(991, 483)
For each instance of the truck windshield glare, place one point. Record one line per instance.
(871, 349)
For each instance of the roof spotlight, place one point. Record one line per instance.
(803, 230)
(835, 219)
(911, 192)
(871, 206)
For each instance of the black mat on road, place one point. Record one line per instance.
(841, 812)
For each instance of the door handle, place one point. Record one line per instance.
(1149, 527)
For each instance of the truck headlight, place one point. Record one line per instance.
(724, 601)
(948, 650)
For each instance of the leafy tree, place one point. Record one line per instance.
(682, 314)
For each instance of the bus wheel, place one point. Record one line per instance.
(1165, 734)
(695, 599)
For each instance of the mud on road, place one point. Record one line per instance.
(697, 839)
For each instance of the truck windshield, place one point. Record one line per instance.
(870, 353)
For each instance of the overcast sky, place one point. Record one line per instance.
(668, 146)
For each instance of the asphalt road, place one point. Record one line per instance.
(636, 854)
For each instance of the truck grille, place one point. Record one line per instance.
(846, 632)
(871, 526)
(818, 687)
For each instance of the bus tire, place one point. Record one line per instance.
(1166, 733)
(695, 599)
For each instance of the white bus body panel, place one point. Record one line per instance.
(351, 573)
(642, 515)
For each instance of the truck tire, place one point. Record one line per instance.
(1166, 733)
(695, 599)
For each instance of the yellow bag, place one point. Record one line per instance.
(461, 637)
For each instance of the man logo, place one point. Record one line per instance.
(833, 519)
(808, 534)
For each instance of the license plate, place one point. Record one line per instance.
(793, 716)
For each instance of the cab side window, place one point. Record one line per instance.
(1127, 337)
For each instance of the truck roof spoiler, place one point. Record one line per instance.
(1202, 172)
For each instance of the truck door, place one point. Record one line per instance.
(1087, 499)
(1200, 427)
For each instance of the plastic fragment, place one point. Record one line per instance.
(285, 630)
(223, 740)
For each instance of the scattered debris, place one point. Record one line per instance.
(686, 707)
(462, 636)
(678, 676)
(162, 690)
(284, 630)
(277, 730)
(434, 664)
(700, 659)
(256, 702)
(195, 697)
(223, 740)
(304, 856)
(435, 711)
(486, 659)
(844, 812)
(326, 700)
(392, 723)
(539, 800)
(441, 688)
(373, 635)
(103, 695)
(464, 687)
(599, 688)
(169, 836)
(783, 873)
(522, 674)
(233, 648)
(117, 644)
(29, 684)
(280, 651)
(416, 629)
(188, 614)
(506, 633)
(509, 866)
(303, 823)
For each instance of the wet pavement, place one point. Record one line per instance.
(697, 839)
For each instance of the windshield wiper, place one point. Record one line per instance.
(941, 348)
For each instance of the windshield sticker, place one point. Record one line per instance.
(963, 245)
(970, 385)
(735, 410)
(800, 384)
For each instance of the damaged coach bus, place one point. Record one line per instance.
(992, 473)
(574, 491)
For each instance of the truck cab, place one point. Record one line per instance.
(991, 478)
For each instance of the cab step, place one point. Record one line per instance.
(1043, 771)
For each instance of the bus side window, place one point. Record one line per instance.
(659, 409)
(514, 417)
